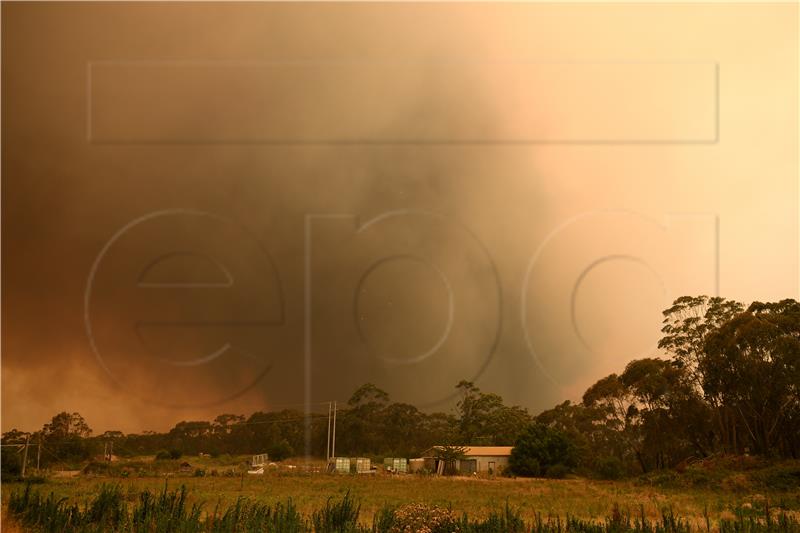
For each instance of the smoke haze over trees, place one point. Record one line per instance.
(730, 385)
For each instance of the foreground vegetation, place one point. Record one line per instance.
(731, 492)
(111, 510)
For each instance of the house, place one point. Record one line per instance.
(477, 459)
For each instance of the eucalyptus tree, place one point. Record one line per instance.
(752, 365)
(687, 325)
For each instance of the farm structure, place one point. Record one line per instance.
(477, 460)
(260, 459)
(258, 463)
(351, 465)
(395, 465)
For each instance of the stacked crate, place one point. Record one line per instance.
(342, 465)
(360, 465)
(397, 465)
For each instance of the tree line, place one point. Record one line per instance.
(728, 383)
(369, 425)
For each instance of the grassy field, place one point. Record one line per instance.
(588, 499)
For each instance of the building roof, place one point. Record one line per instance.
(480, 451)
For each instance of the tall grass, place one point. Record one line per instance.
(247, 516)
(337, 516)
(167, 511)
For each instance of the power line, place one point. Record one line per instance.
(305, 417)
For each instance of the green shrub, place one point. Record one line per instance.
(701, 477)
(539, 448)
(780, 477)
(280, 451)
(10, 463)
(507, 521)
(526, 467)
(609, 467)
(163, 455)
(558, 471)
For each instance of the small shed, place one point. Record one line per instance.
(477, 459)
(416, 465)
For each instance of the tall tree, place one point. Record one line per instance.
(753, 367)
(364, 421)
(65, 425)
(66, 437)
(485, 419)
(617, 405)
(687, 325)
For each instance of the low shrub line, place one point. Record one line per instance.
(167, 511)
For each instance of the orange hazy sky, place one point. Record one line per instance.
(214, 207)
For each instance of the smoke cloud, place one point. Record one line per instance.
(217, 208)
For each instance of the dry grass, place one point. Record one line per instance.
(576, 497)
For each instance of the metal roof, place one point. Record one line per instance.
(482, 451)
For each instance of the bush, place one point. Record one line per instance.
(507, 521)
(558, 471)
(780, 477)
(422, 517)
(609, 468)
(175, 454)
(10, 464)
(525, 467)
(280, 451)
(540, 448)
(72, 449)
(163, 455)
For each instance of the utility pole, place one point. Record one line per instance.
(333, 448)
(25, 455)
(328, 441)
